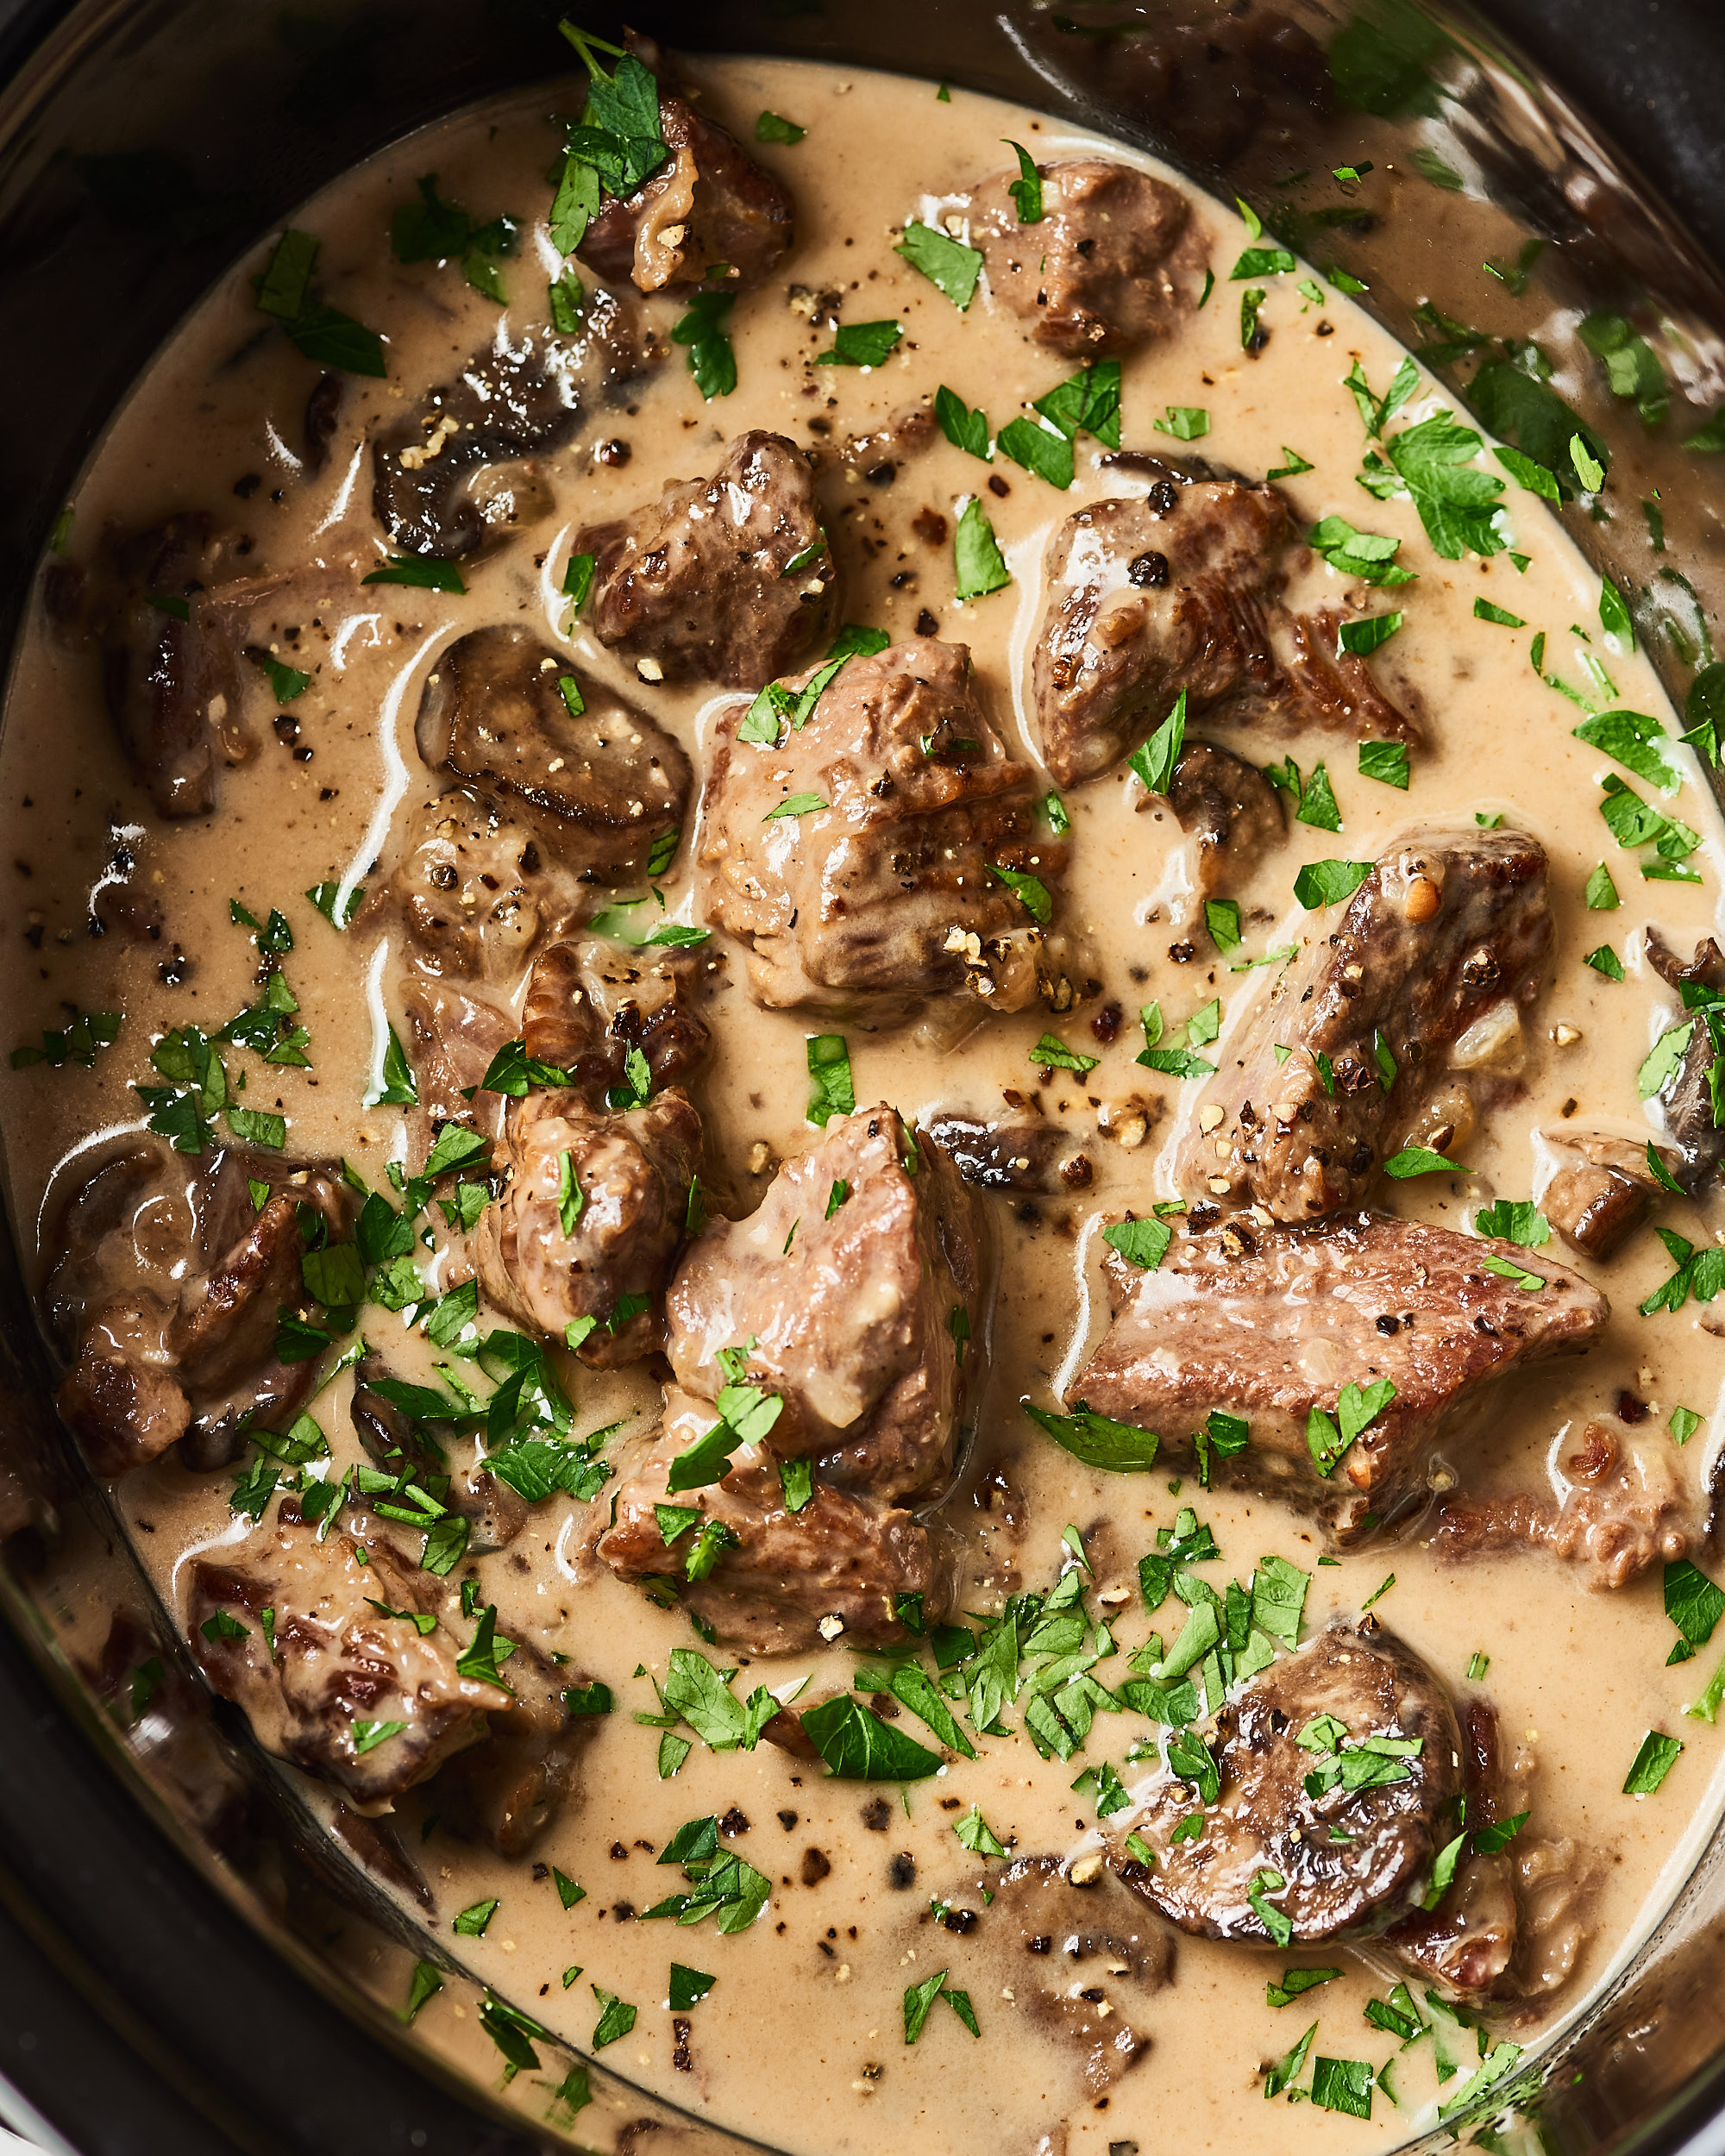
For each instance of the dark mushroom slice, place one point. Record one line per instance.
(336, 1671)
(784, 1581)
(1338, 1773)
(591, 1220)
(726, 579)
(1117, 259)
(1686, 1103)
(508, 1789)
(1427, 968)
(505, 714)
(861, 1283)
(912, 873)
(1183, 587)
(1619, 1503)
(709, 208)
(435, 486)
(589, 1002)
(1242, 1322)
(1228, 808)
(1603, 1190)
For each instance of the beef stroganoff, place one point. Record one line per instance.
(870, 1116)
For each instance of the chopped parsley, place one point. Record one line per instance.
(947, 263)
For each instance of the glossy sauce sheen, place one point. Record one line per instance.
(800, 2040)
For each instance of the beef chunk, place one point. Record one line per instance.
(1467, 1943)
(791, 1579)
(1602, 1191)
(480, 884)
(164, 1292)
(855, 1295)
(1264, 1818)
(1081, 1958)
(1221, 1324)
(698, 585)
(1118, 257)
(455, 1038)
(885, 899)
(870, 1326)
(336, 1662)
(497, 716)
(590, 1002)
(435, 489)
(1228, 808)
(1621, 1504)
(1448, 933)
(710, 207)
(1040, 1158)
(630, 1178)
(168, 678)
(1181, 588)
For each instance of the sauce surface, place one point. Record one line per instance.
(799, 2041)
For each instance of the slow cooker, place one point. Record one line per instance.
(174, 1933)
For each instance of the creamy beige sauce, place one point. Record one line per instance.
(799, 2042)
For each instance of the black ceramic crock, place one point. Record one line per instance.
(168, 1986)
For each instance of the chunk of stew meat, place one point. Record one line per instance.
(1183, 587)
(1427, 970)
(885, 853)
(1326, 1789)
(838, 1331)
(709, 206)
(726, 579)
(1240, 1321)
(1116, 260)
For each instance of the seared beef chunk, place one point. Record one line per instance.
(1602, 1191)
(1040, 1158)
(1622, 1503)
(791, 1579)
(480, 884)
(589, 1003)
(164, 1294)
(507, 1790)
(1446, 935)
(1271, 1327)
(1229, 807)
(853, 1296)
(1081, 1957)
(495, 1514)
(1182, 589)
(435, 490)
(168, 672)
(1117, 259)
(454, 1037)
(884, 899)
(1465, 1944)
(1381, 1746)
(498, 714)
(621, 1182)
(711, 206)
(336, 1667)
(700, 586)
(870, 1324)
